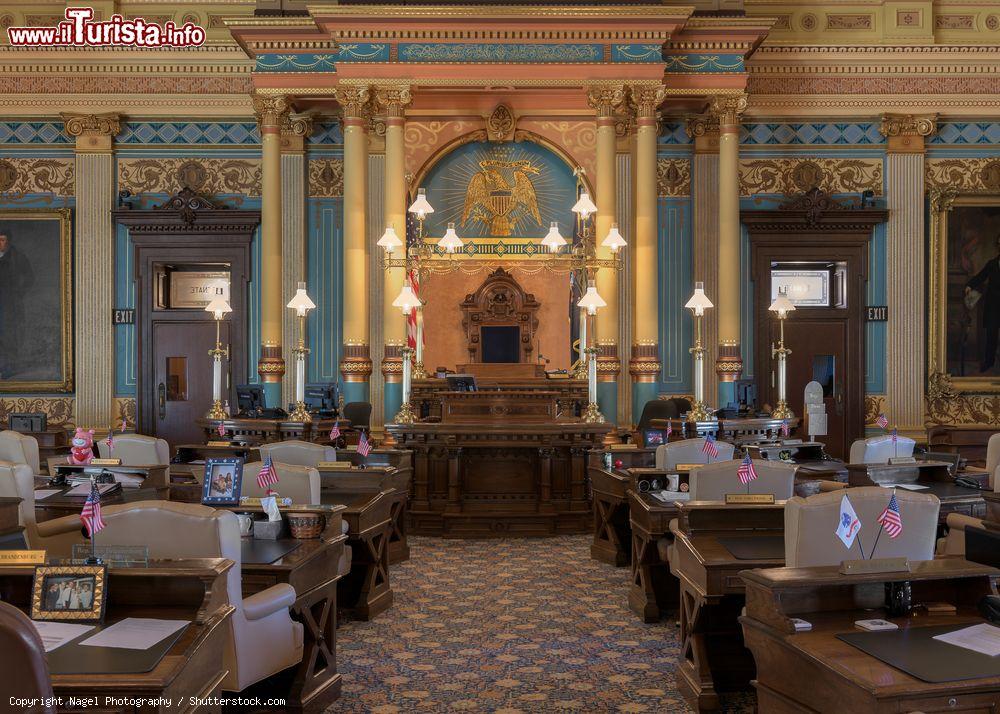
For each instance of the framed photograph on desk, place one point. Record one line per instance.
(69, 593)
(222, 482)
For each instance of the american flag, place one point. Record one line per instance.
(91, 513)
(267, 475)
(746, 471)
(890, 518)
(709, 447)
(786, 428)
(670, 430)
(882, 421)
(411, 316)
(110, 441)
(221, 428)
(124, 425)
(895, 436)
(364, 446)
(335, 431)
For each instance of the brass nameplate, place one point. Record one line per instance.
(105, 462)
(687, 467)
(22, 557)
(623, 447)
(744, 498)
(902, 460)
(218, 443)
(251, 502)
(341, 465)
(875, 565)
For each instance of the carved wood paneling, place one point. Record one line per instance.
(795, 176)
(500, 301)
(209, 177)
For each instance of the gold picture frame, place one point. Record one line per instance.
(942, 380)
(56, 268)
(64, 593)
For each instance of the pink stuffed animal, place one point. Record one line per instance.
(83, 447)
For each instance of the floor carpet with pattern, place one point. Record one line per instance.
(508, 626)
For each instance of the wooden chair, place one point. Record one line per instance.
(22, 661)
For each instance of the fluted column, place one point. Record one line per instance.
(605, 100)
(392, 103)
(94, 260)
(729, 364)
(356, 364)
(272, 112)
(704, 130)
(644, 364)
(905, 269)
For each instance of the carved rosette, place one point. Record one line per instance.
(644, 366)
(392, 364)
(609, 365)
(356, 364)
(729, 364)
(271, 365)
(271, 112)
(501, 123)
(728, 109)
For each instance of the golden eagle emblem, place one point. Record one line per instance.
(501, 195)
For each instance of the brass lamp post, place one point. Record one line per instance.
(698, 303)
(302, 304)
(782, 306)
(406, 301)
(219, 308)
(589, 304)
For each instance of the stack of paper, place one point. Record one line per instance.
(984, 638)
(135, 633)
(56, 634)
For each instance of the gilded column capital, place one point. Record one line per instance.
(392, 101)
(295, 129)
(270, 110)
(728, 108)
(606, 99)
(906, 133)
(77, 125)
(647, 100)
(355, 101)
(699, 125)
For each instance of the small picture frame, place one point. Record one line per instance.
(223, 481)
(651, 438)
(69, 593)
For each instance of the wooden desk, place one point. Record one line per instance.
(365, 591)
(814, 671)
(609, 489)
(713, 658)
(571, 394)
(391, 479)
(192, 590)
(934, 475)
(265, 431)
(967, 440)
(488, 480)
(653, 589)
(58, 504)
(154, 475)
(521, 406)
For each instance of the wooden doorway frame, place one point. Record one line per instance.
(186, 228)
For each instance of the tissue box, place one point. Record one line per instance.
(268, 530)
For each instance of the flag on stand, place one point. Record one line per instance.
(786, 428)
(882, 421)
(890, 519)
(411, 316)
(221, 429)
(849, 525)
(709, 447)
(124, 425)
(110, 441)
(335, 431)
(364, 446)
(670, 430)
(895, 435)
(746, 471)
(267, 475)
(90, 516)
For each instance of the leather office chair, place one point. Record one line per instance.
(298, 453)
(18, 448)
(811, 523)
(879, 449)
(713, 481)
(993, 461)
(954, 542)
(55, 536)
(689, 451)
(22, 660)
(263, 638)
(359, 414)
(656, 409)
(683, 404)
(136, 450)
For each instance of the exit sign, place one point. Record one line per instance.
(878, 313)
(122, 317)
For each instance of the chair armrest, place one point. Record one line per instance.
(267, 602)
(827, 486)
(58, 526)
(961, 522)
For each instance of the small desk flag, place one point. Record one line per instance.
(746, 471)
(849, 525)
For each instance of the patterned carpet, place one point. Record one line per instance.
(509, 626)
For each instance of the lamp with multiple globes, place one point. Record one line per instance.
(219, 309)
(407, 301)
(781, 307)
(589, 304)
(302, 304)
(697, 304)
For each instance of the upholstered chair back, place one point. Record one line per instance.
(299, 483)
(136, 450)
(22, 661)
(297, 453)
(19, 448)
(879, 449)
(993, 461)
(811, 525)
(689, 451)
(17, 480)
(713, 481)
(263, 638)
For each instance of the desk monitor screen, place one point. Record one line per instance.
(501, 343)
(250, 398)
(321, 398)
(462, 383)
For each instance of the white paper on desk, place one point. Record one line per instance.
(671, 496)
(135, 633)
(56, 634)
(83, 489)
(907, 486)
(46, 492)
(984, 638)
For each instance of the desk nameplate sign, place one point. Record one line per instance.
(219, 443)
(902, 460)
(250, 502)
(747, 498)
(105, 462)
(342, 465)
(22, 557)
(875, 565)
(684, 468)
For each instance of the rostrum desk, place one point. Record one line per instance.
(503, 469)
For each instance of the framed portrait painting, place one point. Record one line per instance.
(36, 309)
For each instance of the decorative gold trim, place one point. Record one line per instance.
(673, 177)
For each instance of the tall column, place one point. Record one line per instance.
(392, 103)
(356, 364)
(605, 100)
(644, 364)
(294, 132)
(729, 364)
(704, 130)
(905, 269)
(94, 261)
(272, 112)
